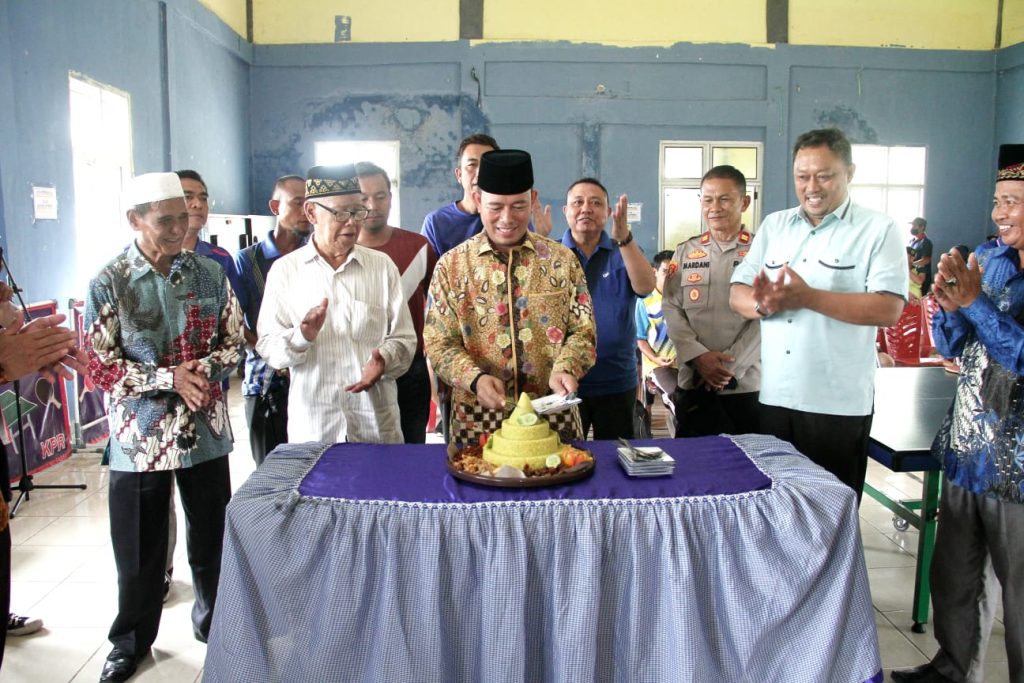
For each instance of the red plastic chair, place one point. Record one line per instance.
(903, 341)
(928, 309)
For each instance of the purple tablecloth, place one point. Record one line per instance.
(746, 565)
(704, 467)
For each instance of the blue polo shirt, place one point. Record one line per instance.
(614, 309)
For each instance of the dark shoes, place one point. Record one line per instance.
(119, 667)
(926, 673)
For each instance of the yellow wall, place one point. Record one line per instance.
(639, 22)
(231, 12)
(932, 24)
(381, 21)
(1013, 23)
(935, 24)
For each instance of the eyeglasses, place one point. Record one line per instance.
(344, 216)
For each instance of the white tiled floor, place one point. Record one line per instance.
(63, 571)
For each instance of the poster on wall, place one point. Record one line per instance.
(44, 421)
(92, 411)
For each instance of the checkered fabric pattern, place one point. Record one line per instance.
(768, 585)
(475, 421)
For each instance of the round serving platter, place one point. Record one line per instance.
(576, 473)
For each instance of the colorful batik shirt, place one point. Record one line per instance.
(141, 325)
(981, 442)
(518, 316)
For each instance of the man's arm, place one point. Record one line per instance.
(120, 377)
(281, 342)
(683, 336)
(746, 349)
(399, 344)
(429, 231)
(790, 292)
(223, 359)
(579, 347)
(641, 275)
(442, 332)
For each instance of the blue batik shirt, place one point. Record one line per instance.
(981, 442)
(140, 325)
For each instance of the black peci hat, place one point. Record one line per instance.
(1011, 162)
(505, 171)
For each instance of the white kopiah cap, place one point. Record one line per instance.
(151, 187)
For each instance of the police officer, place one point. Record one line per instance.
(718, 351)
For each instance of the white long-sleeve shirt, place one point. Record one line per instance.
(366, 311)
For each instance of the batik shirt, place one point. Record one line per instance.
(141, 325)
(981, 442)
(518, 316)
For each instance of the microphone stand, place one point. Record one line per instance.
(26, 485)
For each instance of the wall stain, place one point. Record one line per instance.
(850, 122)
(590, 147)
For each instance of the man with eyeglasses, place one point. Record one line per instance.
(820, 278)
(617, 276)
(334, 313)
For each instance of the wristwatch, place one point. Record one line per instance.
(759, 311)
(622, 243)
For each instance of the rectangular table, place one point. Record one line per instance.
(910, 404)
(358, 562)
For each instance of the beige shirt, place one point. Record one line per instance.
(696, 308)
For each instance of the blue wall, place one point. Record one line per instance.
(541, 97)
(1010, 109)
(196, 116)
(243, 115)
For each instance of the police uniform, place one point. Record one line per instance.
(696, 308)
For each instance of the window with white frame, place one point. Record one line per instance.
(683, 164)
(890, 180)
(101, 152)
(384, 153)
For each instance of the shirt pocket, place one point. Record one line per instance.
(367, 323)
(693, 286)
(838, 274)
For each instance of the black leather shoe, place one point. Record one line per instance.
(119, 667)
(926, 673)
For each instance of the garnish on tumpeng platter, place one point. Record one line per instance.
(525, 447)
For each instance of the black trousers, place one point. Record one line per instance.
(414, 400)
(707, 413)
(138, 531)
(268, 420)
(839, 443)
(5, 579)
(610, 415)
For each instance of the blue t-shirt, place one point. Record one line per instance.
(450, 226)
(614, 309)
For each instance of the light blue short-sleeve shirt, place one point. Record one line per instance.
(811, 362)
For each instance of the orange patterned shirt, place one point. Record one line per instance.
(518, 316)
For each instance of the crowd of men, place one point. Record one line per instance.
(350, 326)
